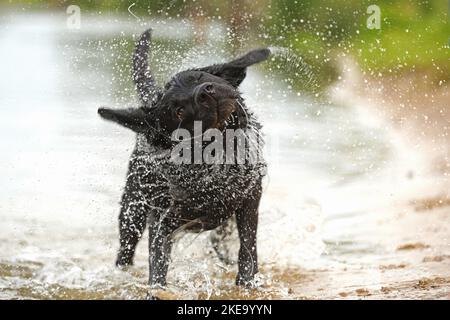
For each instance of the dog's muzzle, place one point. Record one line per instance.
(216, 91)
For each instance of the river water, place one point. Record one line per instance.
(63, 168)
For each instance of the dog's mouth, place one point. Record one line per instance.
(221, 116)
(217, 108)
(226, 114)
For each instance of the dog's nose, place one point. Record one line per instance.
(209, 88)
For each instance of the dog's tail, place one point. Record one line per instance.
(144, 81)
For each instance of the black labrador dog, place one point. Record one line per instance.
(194, 196)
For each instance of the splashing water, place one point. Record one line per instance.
(286, 59)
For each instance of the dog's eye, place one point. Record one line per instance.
(179, 112)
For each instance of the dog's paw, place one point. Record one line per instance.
(160, 293)
(150, 296)
(123, 267)
(124, 263)
(246, 283)
(253, 282)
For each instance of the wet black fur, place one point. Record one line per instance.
(190, 197)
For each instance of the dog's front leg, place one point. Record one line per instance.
(247, 223)
(132, 222)
(160, 246)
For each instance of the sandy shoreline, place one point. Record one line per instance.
(415, 266)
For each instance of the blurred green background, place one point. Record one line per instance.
(413, 38)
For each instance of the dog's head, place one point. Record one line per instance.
(196, 95)
(209, 95)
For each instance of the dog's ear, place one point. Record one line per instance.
(235, 71)
(132, 118)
